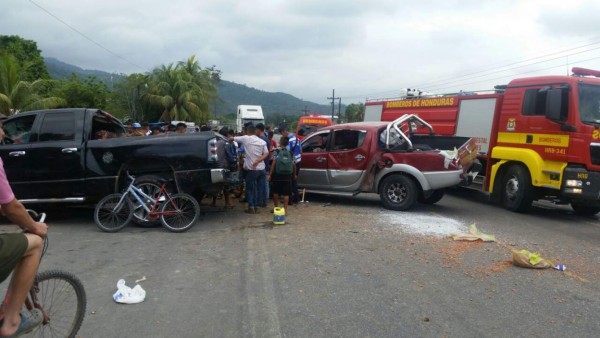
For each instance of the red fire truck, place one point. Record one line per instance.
(537, 138)
(308, 124)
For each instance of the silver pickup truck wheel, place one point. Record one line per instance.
(398, 192)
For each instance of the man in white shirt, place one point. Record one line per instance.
(256, 152)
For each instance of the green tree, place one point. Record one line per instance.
(183, 91)
(17, 95)
(28, 56)
(125, 100)
(83, 93)
(355, 112)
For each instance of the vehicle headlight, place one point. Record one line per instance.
(574, 183)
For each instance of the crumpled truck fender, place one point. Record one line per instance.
(399, 169)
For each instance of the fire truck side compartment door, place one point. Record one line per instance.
(475, 119)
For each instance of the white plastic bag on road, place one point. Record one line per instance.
(127, 295)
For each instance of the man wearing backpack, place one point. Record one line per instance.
(283, 170)
(296, 148)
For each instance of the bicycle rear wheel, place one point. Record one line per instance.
(110, 216)
(63, 301)
(182, 211)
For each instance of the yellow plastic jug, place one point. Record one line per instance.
(279, 216)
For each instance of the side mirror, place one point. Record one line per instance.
(554, 105)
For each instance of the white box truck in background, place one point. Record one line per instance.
(247, 113)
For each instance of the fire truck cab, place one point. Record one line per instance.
(537, 138)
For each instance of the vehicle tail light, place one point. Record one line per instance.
(212, 150)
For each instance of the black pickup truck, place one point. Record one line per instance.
(53, 156)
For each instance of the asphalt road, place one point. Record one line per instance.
(340, 267)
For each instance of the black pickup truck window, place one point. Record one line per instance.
(18, 129)
(58, 127)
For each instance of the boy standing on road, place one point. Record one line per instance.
(282, 177)
(19, 253)
(256, 151)
(296, 148)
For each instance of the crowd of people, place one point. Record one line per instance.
(262, 168)
(145, 129)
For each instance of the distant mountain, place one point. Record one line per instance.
(231, 94)
(60, 70)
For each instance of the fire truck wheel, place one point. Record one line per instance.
(517, 194)
(585, 210)
(398, 192)
(435, 197)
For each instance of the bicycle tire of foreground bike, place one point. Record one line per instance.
(188, 212)
(63, 298)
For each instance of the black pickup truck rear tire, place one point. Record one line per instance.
(150, 184)
(398, 192)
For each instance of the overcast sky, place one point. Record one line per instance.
(362, 48)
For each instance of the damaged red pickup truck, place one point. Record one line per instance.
(403, 161)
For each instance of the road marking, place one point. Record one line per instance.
(260, 291)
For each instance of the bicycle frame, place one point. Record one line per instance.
(142, 197)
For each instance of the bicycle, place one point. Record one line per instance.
(177, 212)
(60, 296)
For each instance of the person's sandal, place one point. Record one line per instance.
(29, 321)
(229, 206)
(249, 211)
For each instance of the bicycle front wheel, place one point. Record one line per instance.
(63, 301)
(113, 213)
(179, 213)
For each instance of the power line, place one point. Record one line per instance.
(516, 63)
(491, 71)
(512, 68)
(528, 72)
(86, 37)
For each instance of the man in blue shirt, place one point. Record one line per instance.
(295, 147)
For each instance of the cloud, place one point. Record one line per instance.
(306, 48)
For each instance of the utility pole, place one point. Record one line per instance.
(332, 98)
(306, 111)
(339, 109)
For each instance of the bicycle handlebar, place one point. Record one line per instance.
(131, 177)
(41, 217)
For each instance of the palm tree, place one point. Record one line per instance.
(17, 95)
(184, 91)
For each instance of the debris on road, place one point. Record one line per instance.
(473, 235)
(532, 260)
(127, 295)
(141, 279)
(560, 267)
